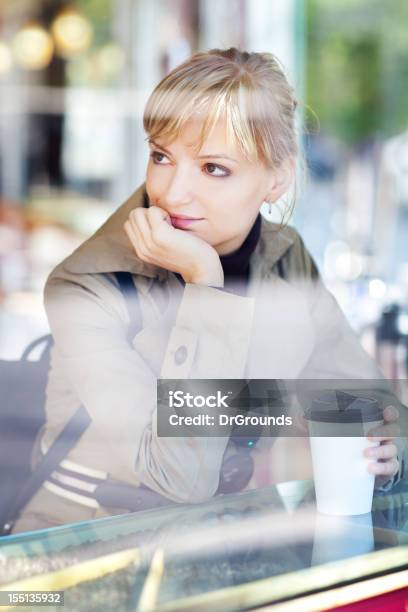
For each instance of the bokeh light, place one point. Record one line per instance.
(341, 262)
(377, 289)
(33, 47)
(349, 266)
(72, 33)
(110, 59)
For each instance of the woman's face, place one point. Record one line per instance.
(214, 193)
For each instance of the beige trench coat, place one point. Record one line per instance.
(283, 328)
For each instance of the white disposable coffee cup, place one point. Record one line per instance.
(341, 537)
(343, 484)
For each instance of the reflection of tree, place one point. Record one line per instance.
(357, 71)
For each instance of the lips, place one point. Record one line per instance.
(182, 221)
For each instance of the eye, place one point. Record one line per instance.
(216, 170)
(158, 157)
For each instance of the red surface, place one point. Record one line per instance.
(396, 601)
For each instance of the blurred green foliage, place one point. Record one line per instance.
(99, 12)
(100, 65)
(357, 67)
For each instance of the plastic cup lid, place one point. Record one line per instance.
(341, 407)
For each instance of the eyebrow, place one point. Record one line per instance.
(206, 156)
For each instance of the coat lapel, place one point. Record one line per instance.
(109, 249)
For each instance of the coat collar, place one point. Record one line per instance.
(109, 249)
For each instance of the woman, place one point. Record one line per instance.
(223, 292)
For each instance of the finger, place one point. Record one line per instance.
(388, 468)
(391, 413)
(384, 432)
(140, 224)
(136, 241)
(387, 450)
(159, 228)
(143, 233)
(156, 216)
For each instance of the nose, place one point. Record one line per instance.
(179, 188)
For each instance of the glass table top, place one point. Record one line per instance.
(236, 550)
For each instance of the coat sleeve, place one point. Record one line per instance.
(338, 354)
(118, 388)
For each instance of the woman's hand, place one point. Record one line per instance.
(156, 241)
(387, 464)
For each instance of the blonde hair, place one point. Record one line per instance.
(249, 90)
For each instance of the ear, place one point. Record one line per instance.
(282, 178)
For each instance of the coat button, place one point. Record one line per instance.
(180, 355)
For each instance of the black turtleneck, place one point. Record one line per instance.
(236, 264)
